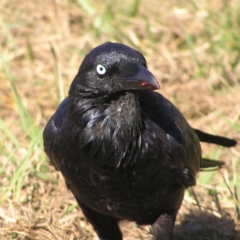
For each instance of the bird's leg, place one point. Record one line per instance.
(163, 227)
(105, 226)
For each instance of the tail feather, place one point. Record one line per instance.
(210, 163)
(219, 140)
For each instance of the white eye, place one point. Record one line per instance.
(101, 70)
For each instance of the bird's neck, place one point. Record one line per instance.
(127, 112)
(125, 119)
(110, 127)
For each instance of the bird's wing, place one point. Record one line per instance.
(180, 135)
(51, 135)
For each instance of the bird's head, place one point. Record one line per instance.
(110, 68)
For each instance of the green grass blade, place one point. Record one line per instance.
(28, 124)
(85, 5)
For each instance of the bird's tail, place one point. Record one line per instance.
(209, 164)
(219, 140)
(212, 164)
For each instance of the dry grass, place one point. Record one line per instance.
(192, 47)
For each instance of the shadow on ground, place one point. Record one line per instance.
(206, 226)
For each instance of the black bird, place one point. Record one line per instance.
(125, 151)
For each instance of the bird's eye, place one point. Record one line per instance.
(101, 70)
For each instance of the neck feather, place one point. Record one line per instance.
(109, 128)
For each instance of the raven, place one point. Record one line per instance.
(125, 151)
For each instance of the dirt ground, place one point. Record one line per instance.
(187, 49)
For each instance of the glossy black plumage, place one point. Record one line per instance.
(126, 152)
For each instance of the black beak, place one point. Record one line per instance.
(141, 79)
